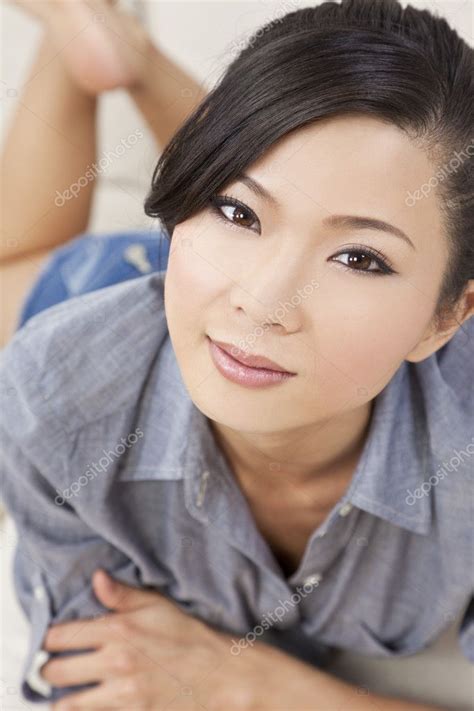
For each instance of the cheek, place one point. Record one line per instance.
(191, 284)
(370, 328)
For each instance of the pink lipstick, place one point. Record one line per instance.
(250, 373)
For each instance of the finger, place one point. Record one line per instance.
(85, 668)
(120, 596)
(111, 694)
(80, 634)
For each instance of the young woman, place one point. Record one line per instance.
(271, 439)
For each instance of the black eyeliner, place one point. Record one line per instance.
(384, 268)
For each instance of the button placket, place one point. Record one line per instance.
(323, 553)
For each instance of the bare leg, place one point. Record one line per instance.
(166, 95)
(103, 47)
(50, 142)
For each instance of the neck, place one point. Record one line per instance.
(303, 456)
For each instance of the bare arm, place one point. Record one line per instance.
(331, 692)
(283, 677)
(261, 676)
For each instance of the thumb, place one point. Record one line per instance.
(117, 595)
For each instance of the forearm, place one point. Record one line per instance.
(259, 678)
(50, 142)
(166, 95)
(308, 687)
(331, 692)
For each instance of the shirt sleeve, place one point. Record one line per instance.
(56, 551)
(466, 632)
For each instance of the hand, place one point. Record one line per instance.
(148, 654)
(145, 651)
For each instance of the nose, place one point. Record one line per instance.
(266, 297)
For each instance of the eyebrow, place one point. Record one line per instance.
(350, 221)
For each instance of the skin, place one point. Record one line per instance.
(145, 634)
(346, 339)
(51, 140)
(89, 36)
(150, 655)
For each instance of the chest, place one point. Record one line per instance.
(371, 597)
(287, 519)
(287, 513)
(287, 535)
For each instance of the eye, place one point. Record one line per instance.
(236, 210)
(360, 258)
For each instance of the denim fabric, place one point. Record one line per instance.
(90, 262)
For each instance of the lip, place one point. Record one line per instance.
(252, 361)
(242, 374)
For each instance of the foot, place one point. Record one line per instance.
(102, 47)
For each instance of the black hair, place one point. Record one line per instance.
(401, 65)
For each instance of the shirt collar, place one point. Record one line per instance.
(395, 459)
(410, 433)
(423, 421)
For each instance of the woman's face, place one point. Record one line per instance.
(278, 279)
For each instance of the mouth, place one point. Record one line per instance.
(243, 374)
(251, 361)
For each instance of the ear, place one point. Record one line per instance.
(435, 338)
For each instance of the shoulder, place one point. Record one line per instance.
(443, 386)
(456, 364)
(426, 446)
(444, 389)
(82, 359)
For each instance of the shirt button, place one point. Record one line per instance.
(34, 678)
(344, 510)
(202, 487)
(313, 579)
(320, 534)
(39, 592)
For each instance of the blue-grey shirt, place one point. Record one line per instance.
(107, 462)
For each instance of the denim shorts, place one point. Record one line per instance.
(89, 262)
